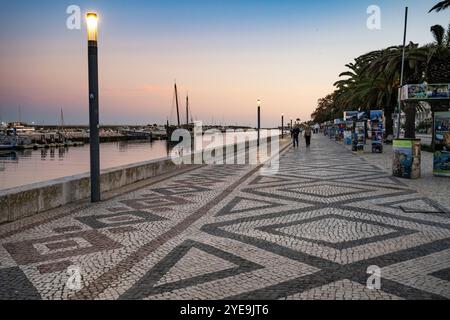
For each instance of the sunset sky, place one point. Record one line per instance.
(227, 54)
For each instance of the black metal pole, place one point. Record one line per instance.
(282, 126)
(259, 122)
(401, 74)
(176, 102)
(94, 141)
(187, 110)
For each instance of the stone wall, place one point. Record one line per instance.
(20, 202)
(25, 201)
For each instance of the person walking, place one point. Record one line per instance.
(295, 133)
(307, 135)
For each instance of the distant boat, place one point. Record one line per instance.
(7, 142)
(19, 127)
(188, 125)
(7, 146)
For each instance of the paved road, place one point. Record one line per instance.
(309, 232)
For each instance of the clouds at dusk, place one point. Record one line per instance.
(226, 54)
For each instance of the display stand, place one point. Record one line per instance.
(359, 136)
(439, 94)
(441, 157)
(349, 118)
(376, 122)
(332, 132)
(406, 162)
(348, 137)
(339, 129)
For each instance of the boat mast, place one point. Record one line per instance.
(62, 120)
(187, 109)
(176, 102)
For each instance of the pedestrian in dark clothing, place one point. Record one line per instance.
(308, 134)
(295, 133)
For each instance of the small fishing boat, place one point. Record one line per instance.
(7, 142)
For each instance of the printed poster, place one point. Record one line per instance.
(441, 158)
(406, 162)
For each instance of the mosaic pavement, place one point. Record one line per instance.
(226, 232)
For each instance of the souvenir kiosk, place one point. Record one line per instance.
(407, 151)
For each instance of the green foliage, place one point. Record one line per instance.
(372, 80)
(438, 32)
(442, 5)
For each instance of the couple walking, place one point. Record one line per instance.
(295, 132)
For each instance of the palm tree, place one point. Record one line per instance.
(442, 5)
(372, 80)
(438, 33)
(447, 36)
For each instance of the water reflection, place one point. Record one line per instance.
(123, 146)
(29, 166)
(8, 156)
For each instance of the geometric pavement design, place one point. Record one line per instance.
(309, 231)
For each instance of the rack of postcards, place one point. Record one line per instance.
(358, 133)
(332, 131)
(441, 159)
(438, 96)
(376, 126)
(339, 127)
(349, 117)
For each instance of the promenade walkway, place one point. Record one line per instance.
(309, 232)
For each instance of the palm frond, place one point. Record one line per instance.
(442, 5)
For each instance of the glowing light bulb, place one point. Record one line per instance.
(92, 26)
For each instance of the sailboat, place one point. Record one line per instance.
(188, 125)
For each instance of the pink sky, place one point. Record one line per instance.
(288, 61)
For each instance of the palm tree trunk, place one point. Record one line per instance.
(410, 123)
(389, 124)
(433, 138)
(388, 111)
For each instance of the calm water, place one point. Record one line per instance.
(19, 168)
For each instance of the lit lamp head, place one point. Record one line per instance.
(259, 102)
(92, 26)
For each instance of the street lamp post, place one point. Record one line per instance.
(94, 141)
(291, 123)
(259, 120)
(401, 74)
(282, 126)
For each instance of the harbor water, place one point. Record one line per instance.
(18, 168)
